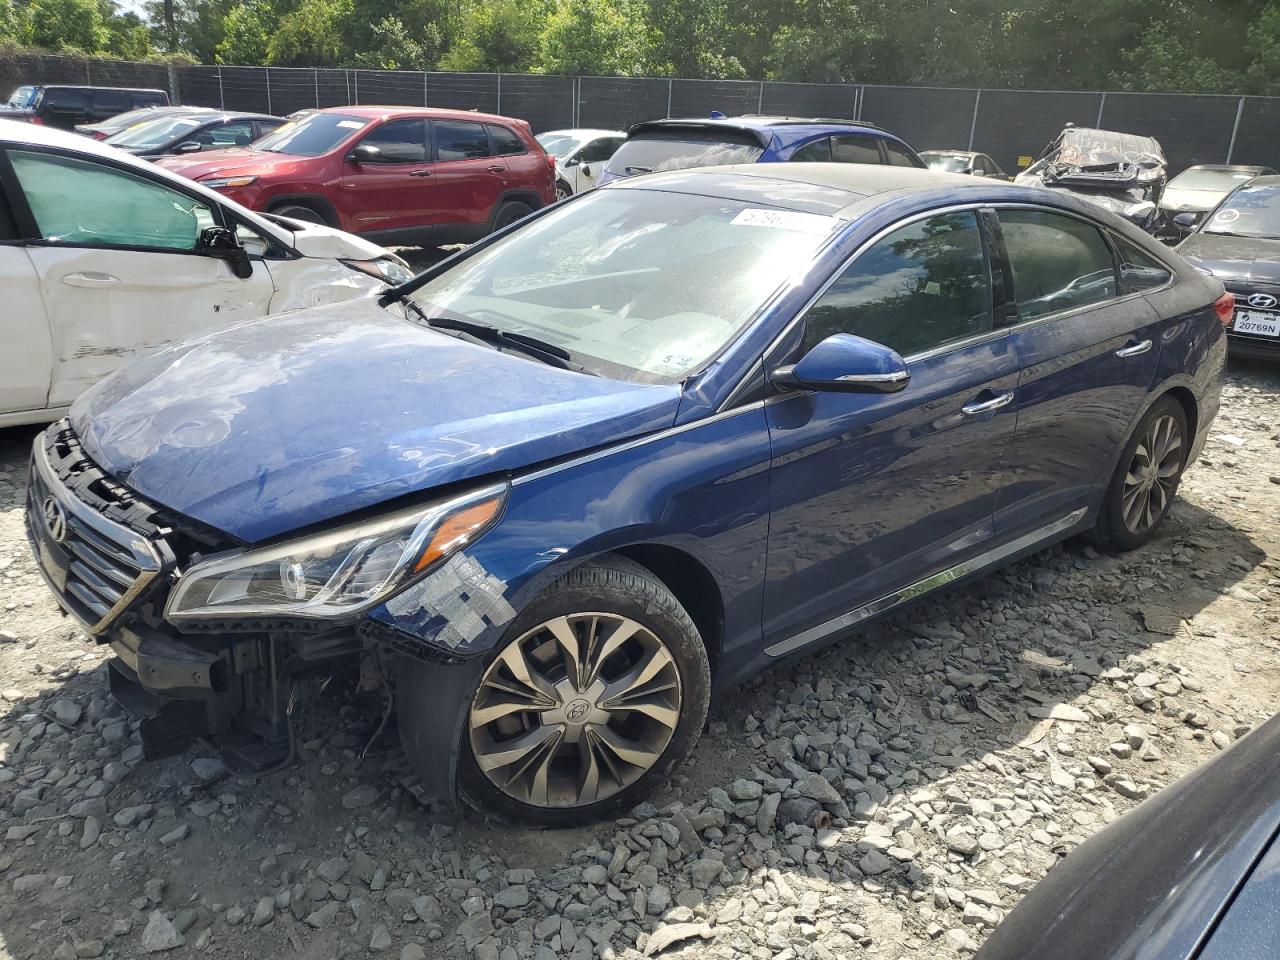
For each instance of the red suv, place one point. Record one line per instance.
(393, 174)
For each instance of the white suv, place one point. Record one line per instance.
(104, 257)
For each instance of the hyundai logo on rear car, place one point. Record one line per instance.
(1263, 300)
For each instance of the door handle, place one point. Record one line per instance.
(497, 169)
(419, 173)
(975, 407)
(90, 280)
(1134, 349)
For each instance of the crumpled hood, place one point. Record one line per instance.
(1233, 258)
(229, 162)
(287, 421)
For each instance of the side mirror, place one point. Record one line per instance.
(843, 363)
(365, 153)
(586, 171)
(1185, 221)
(222, 243)
(188, 146)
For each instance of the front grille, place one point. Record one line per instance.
(96, 565)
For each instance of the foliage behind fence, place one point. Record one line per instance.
(1006, 124)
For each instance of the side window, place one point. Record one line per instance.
(460, 140)
(110, 102)
(78, 201)
(1138, 269)
(400, 141)
(266, 126)
(817, 152)
(922, 286)
(149, 100)
(980, 166)
(505, 142)
(898, 157)
(238, 133)
(599, 151)
(1058, 262)
(65, 101)
(854, 149)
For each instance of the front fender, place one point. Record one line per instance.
(701, 489)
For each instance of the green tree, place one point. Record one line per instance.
(603, 37)
(246, 34)
(310, 36)
(69, 25)
(498, 36)
(394, 47)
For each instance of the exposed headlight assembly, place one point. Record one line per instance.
(225, 182)
(337, 574)
(383, 268)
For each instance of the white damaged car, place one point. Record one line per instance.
(104, 257)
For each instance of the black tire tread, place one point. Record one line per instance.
(1110, 532)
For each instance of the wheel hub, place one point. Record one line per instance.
(1152, 475)
(576, 709)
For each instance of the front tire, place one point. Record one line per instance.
(563, 190)
(599, 689)
(1146, 478)
(296, 211)
(509, 213)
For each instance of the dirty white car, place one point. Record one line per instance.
(580, 156)
(104, 257)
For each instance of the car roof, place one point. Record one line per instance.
(91, 86)
(1227, 167)
(761, 127)
(953, 153)
(438, 113)
(581, 132)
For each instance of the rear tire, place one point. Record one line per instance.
(509, 213)
(1146, 478)
(613, 717)
(296, 211)
(563, 190)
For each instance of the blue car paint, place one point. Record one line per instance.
(781, 140)
(795, 507)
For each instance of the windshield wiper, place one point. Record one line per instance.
(632, 171)
(542, 350)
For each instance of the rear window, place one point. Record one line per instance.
(145, 99)
(898, 155)
(311, 135)
(460, 140)
(505, 142)
(110, 102)
(656, 150)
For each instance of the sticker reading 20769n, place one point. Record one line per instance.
(783, 220)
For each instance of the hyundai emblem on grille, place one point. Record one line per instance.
(1263, 300)
(55, 520)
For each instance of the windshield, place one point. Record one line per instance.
(680, 149)
(1220, 180)
(558, 144)
(1249, 212)
(948, 162)
(312, 135)
(156, 133)
(637, 285)
(22, 97)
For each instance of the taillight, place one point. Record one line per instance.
(38, 121)
(99, 135)
(1226, 307)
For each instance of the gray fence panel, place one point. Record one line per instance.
(1191, 129)
(697, 98)
(615, 103)
(546, 102)
(462, 91)
(397, 88)
(291, 89)
(1021, 123)
(245, 88)
(927, 118)
(810, 100)
(199, 86)
(1258, 139)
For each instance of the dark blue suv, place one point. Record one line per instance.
(660, 145)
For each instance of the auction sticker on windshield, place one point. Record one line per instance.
(1261, 323)
(783, 220)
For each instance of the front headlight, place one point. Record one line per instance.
(336, 574)
(225, 182)
(392, 270)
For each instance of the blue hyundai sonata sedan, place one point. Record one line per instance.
(555, 490)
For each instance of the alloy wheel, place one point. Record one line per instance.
(1152, 476)
(575, 710)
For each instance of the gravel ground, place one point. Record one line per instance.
(959, 749)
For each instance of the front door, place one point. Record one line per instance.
(119, 273)
(1088, 343)
(590, 161)
(395, 189)
(871, 492)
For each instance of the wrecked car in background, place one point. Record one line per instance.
(1120, 172)
(103, 258)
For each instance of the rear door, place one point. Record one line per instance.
(872, 492)
(64, 108)
(1088, 348)
(466, 181)
(396, 191)
(104, 104)
(119, 272)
